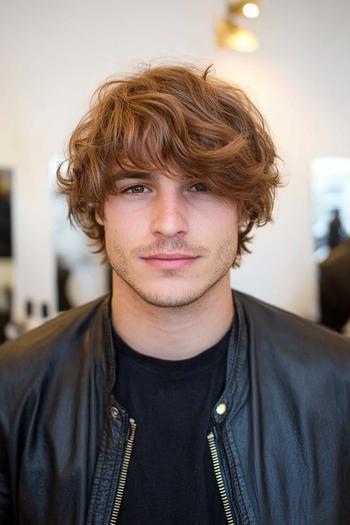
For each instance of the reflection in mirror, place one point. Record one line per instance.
(80, 275)
(5, 250)
(330, 189)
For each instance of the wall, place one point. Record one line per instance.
(53, 55)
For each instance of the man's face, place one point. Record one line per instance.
(169, 240)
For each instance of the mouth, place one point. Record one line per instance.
(170, 261)
(170, 256)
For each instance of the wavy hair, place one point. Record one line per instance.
(171, 117)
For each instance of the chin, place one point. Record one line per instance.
(169, 300)
(171, 296)
(173, 293)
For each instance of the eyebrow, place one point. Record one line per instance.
(143, 175)
(135, 175)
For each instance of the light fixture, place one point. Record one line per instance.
(249, 9)
(231, 35)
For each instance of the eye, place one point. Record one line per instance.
(136, 189)
(199, 187)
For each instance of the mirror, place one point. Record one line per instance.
(6, 281)
(80, 275)
(330, 191)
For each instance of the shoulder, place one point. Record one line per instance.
(50, 344)
(290, 334)
(308, 365)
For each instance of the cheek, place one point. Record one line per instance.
(223, 224)
(124, 233)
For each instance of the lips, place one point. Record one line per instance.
(170, 256)
(170, 261)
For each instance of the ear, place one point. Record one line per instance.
(241, 217)
(99, 219)
(241, 221)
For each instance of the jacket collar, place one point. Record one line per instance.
(237, 379)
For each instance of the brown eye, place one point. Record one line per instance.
(137, 188)
(199, 187)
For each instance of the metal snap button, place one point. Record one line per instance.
(114, 412)
(221, 409)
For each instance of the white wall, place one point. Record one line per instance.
(53, 55)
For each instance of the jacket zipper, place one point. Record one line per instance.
(219, 478)
(123, 473)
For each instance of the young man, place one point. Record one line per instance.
(174, 401)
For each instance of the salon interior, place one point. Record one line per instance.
(292, 59)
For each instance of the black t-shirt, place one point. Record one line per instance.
(170, 479)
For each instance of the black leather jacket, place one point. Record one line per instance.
(280, 439)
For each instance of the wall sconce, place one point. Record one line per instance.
(231, 35)
(245, 8)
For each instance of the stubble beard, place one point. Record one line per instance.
(224, 259)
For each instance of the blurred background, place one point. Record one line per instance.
(292, 60)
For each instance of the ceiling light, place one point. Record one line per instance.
(250, 10)
(230, 34)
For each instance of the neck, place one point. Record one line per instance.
(172, 333)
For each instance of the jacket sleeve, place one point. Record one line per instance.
(6, 507)
(6, 517)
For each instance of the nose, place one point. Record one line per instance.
(169, 217)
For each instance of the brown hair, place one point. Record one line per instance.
(171, 116)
